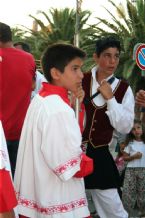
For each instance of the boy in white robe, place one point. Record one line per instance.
(50, 154)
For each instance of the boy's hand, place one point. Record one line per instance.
(80, 94)
(106, 90)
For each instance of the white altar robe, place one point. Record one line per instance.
(48, 157)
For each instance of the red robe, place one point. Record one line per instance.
(7, 194)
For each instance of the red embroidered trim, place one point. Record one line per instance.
(62, 168)
(63, 208)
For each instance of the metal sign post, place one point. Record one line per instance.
(76, 42)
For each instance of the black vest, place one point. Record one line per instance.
(98, 130)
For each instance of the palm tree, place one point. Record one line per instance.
(18, 34)
(130, 28)
(59, 27)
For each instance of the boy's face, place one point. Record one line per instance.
(107, 61)
(71, 78)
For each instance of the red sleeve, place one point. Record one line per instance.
(7, 194)
(86, 166)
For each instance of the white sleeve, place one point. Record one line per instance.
(121, 116)
(61, 144)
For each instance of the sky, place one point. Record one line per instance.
(16, 12)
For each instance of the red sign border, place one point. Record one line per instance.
(137, 60)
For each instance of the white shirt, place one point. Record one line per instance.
(131, 149)
(121, 116)
(39, 80)
(48, 157)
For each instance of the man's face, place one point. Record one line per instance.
(71, 78)
(19, 47)
(107, 61)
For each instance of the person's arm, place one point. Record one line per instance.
(63, 139)
(9, 214)
(140, 98)
(128, 157)
(121, 116)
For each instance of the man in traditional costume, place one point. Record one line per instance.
(109, 104)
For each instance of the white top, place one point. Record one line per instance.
(121, 116)
(48, 157)
(39, 80)
(4, 157)
(132, 148)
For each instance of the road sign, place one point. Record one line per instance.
(140, 56)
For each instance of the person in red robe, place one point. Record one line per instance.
(7, 194)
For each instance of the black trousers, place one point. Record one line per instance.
(12, 146)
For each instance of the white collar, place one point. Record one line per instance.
(94, 70)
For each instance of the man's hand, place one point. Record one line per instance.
(140, 98)
(106, 90)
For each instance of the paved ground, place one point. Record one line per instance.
(92, 209)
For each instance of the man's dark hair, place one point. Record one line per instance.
(5, 33)
(105, 43)
(58, 56)
(24, 46)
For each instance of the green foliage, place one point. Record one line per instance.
(17, 34)
(59, 26)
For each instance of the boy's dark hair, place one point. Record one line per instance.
(58, 56)
(24, 46)
(5, 33)
(105, 43)
(130, 137)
